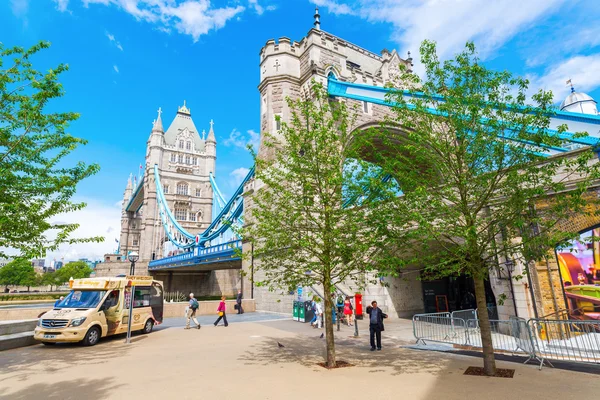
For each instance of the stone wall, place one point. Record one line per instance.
(210, 283)
(111, 269)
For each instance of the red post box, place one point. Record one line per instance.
(358, 306)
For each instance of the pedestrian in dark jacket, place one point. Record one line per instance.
(376, 317)
(238, 302)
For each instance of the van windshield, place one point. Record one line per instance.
(82, 299)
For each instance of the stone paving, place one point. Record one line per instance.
(244, 361)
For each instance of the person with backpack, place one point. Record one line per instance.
(191, 312)
(221, 312)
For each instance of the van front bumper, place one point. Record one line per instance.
(72, 334)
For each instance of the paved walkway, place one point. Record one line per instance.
(243, 361)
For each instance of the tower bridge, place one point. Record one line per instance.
(179, 222)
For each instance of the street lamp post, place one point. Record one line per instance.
(133, 257)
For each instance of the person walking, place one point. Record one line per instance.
(313, 308)
(348, 309)
(376, 317)
(318, 315)
(191, 312)
(221, 312)
(238, 301)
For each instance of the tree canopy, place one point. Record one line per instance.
(470, 155)
(304, 232)
(75, 270)
(36, 182)
(18, 273)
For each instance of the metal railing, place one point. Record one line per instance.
(539, 339)
(439, 327)
(569, 340)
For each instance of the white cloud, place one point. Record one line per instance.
(97, 219)
(237, 176)
(237, 139)
(335, 7)
(116, 69)
(61, 5)
(19, 7)
(190, 17)
(114, 41)
(450, 23)
(257, 7)
(271, 8)
(582, 70)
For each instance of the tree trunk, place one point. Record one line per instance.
(489, 363)
(329, 338)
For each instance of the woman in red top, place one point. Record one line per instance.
(221, 312)
(348, 311)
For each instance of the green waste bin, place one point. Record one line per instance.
(296, 312)
(301, 313)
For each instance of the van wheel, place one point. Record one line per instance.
(92, 336)
(49, 343)
(148, 326)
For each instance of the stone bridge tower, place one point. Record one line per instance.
(185, 158)
(287, 69)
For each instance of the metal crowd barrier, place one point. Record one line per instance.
(569, 340)
(539, 339)
(439, 327)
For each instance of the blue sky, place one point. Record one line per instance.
(129, 57)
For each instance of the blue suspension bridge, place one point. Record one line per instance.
(220, 242)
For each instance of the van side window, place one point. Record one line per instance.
(112, 299)
(142, 296)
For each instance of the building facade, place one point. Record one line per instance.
(185, 158)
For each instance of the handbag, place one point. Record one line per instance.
(220, 313)
(236, 307)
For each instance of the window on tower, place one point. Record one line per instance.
(165, 189)
(198, 192)
(187, 160)
(135, 241)
(180, 159)
(192, 217)
(188, 146)
(194, 161)
(173, 157)
(182, 188)
(181, 144)
(277, 123)
(180, 214)
(365, 107)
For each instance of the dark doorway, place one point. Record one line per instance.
(455, 293)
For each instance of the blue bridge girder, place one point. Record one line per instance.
(575, 122)
(226, 255)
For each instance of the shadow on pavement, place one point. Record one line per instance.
(309, 351)
(60, 354)
(90, 389)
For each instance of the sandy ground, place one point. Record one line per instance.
(243, 361)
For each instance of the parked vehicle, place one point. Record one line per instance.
(99, 307)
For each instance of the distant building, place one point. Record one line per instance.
(58, 265)
(90, 263)
(4, 261)
(39, 264)
(114, 258)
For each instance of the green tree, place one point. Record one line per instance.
(18, 273)
(303, 233)
(51, 279)
(36, 184)
(75, 270)
(474, 174)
